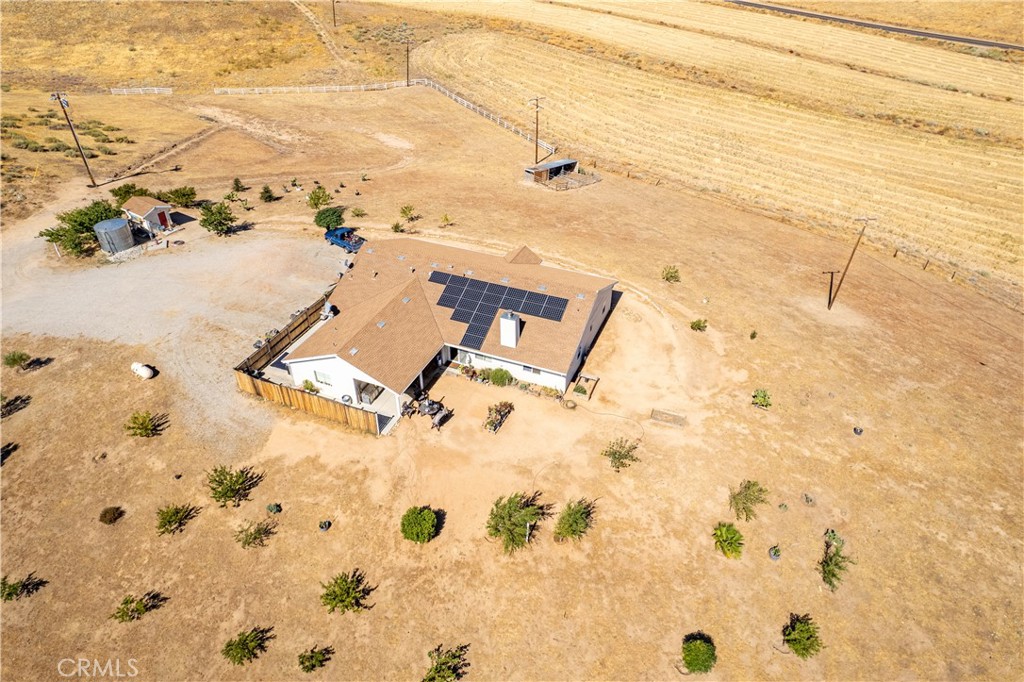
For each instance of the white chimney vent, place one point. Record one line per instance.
(509, 329)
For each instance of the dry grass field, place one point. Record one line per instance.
(928, 498)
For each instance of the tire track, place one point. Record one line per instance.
(321, 32)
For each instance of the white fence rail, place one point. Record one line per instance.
(299, 89)
(141, 91)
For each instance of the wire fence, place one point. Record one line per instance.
(455, 97)
(141, 91)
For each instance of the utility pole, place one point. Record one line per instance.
(856, 244)
(334, 13)
(831, 279)
(62, 99)
(536, 128)
(407, 82)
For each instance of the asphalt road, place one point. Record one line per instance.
(882, 27)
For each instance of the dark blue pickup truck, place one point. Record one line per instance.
(345, 237)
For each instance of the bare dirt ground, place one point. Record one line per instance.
(929, 498)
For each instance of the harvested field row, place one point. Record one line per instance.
(949, 199)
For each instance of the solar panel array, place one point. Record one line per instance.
(476, 302)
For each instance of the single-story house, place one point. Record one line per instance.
(148, 214)
(408, 307)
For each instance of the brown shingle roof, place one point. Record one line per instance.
(522, 255)
(140, 206)
(387, 272)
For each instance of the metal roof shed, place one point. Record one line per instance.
(552, 169)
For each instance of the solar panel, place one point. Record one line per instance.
(493, 299)
(458, 279)
(470, 341)
(551, 314)
(556, 302)
(477, 284)
(462, 315)
(439, 277)
(466, 304)
(499, 289)
(515, 294)
(447, 300)
(476, 328)
(473, 294)
(534, 297)
(487, 309)
(532, 309)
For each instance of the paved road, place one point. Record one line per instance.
(881, 27)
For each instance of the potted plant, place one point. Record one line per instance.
(774, 553)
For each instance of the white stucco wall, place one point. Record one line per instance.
(342, 377)
(545, 378)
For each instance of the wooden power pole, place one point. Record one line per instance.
(61, 98)
(536, 129)
(407, 82)
(843, 276)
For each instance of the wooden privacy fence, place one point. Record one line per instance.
(353, 417)
(546, 146)
(141, 91)
(246, 376)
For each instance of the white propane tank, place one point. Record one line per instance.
(144, 371)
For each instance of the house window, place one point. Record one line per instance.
(322, 378)
(532, 370)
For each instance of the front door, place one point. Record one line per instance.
(162, 217)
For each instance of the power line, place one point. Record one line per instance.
(536, 128)
(62, 99)
(832, 298)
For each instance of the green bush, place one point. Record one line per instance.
(309, 386)
(575, 519)
(131, 608)
(761, 398)
(580, 389)
(173, 518)
(699, 325)
(247, 646)
(330, 217)
(620, 453)
(142, 425)
(314, 658)
(16, 358)
(179, 196)
(419, 524)
(346, 592)
(358, 213)
(833, 563)
(447, 665)
(318, 198)
(111, 515)
(500, 377)
(728, 540)
(9, 591)
(753, 335)
(670, 273)
(74, 233)
(408, 213)
(699, 654)
(254, 534)
(217, 218)
(231, 485)
(267, 194)
(237, 186)
(744, 499)
(397, 227)
(801, 635)
(512, 519)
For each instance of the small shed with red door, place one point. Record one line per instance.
(148, 214)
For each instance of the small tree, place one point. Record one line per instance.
(419, 524)
(500, 377)
(237, 186)
(17, 358)
(408, 213)
(217, 218)
(127, 191)
(179, 196)
(575, 519)
(327, 218)
(314, 658)
(346, 592)
(397, 227)
(318, 198)
(801, 635)
(744, 500)
(252, 534)
(670, 273)
(247, 646)
(231, 485)
(699, 325)
(699, 654)
(447, 665)
(267, 194)
(620, 453)
(9, 591)
(173, 518)
(142, 425)
(728, 540)
(833, 563)
(761, 398)
(512, 519)
(231, 196)
(74, 233)
(131, 608)
(111, 515)
(446, 220)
